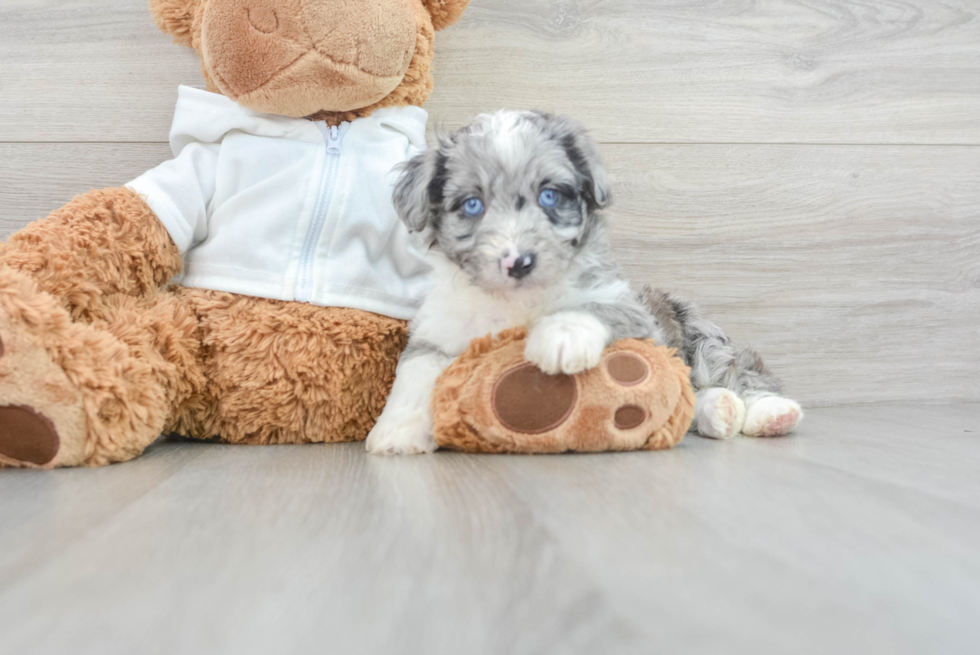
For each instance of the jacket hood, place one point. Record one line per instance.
(205, 117)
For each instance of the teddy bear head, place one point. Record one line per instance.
(324, 59)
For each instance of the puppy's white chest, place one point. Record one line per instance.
(494, 317)
(452, 317)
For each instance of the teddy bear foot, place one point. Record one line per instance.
(492, 400)
(42, 420)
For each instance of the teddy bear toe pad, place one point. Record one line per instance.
(627, 368)
(629, 417)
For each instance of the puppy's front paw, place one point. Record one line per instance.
(408, 435)
(719, 414)
(569, 342)
(772, 416)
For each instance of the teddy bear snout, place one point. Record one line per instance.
(262, 17)
(299, 57)
(247, 43)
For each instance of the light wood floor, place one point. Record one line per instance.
(858, 535)
(808, 170)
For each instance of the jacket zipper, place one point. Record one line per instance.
(307, 260)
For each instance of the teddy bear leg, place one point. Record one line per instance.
(163, 333)
(286, 372)
(78, 394)
(101, 243)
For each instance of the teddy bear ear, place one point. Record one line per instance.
(175, 17)
(445, 12)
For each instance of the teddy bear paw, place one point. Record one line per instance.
(42, 421)
(407, 435)
(720, 413)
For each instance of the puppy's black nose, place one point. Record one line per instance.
(523, 266)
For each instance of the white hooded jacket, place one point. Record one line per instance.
(289, 209)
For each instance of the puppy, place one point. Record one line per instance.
(511, 209)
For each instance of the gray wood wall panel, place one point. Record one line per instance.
(808, 171)
(831, 71)
(853, 269)
(834, 71)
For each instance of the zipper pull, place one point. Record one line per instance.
(333, 146)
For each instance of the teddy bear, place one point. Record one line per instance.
(254, 288)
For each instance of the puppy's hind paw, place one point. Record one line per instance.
(772, 416)
(720, 413)
(403, 436)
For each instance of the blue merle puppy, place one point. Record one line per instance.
(511, 209)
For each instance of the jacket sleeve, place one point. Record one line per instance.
(179, 192)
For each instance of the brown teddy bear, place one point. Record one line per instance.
(296, 277)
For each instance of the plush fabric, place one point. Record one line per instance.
(283, 372)
(490, 401)
(285, 50)
(445, 12)
(275, 56)
(100, 243)
(100, 353)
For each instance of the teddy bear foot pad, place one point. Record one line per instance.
(26, 436)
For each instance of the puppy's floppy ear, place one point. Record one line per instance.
(445, 12)
(582, 152)
(418, 194)
(175, 17)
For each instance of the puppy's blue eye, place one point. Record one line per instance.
(473, 207)
(548, 198)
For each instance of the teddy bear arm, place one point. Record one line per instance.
(102, 242)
